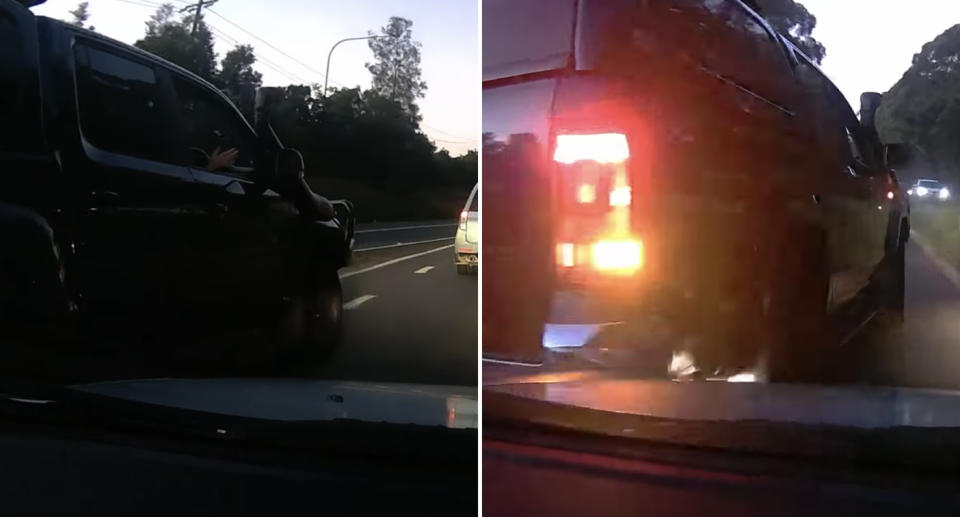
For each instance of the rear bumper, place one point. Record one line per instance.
(467, 259)
(466, 253)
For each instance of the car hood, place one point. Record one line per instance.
(303, 399)
(847, 406)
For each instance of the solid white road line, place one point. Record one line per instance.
(404, 244)
(942, 265)
(348, 274)
(356, 302)
(423, 270)
(374, 230)
(510, 363)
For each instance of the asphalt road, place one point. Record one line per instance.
(409, 317)
(378, 236)
(923, 353)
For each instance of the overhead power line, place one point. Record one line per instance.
(261, 40)
(141, 3)
(226, 38)
(445, 133)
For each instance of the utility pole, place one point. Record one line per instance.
(196, 16)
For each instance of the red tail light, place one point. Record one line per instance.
(594, 180)
(599, 148)
(463, 220)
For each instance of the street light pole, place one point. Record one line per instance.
(326, 76)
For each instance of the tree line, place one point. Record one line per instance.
(923, 110)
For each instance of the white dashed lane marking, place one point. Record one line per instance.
(348, 274)
(356, 302)
(423, 270)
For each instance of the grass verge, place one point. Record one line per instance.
(940, 225)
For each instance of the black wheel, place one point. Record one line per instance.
(6, 304)
(311, 323)
(798, 332)
(463, 269)
(896, 286)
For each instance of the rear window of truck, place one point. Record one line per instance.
(643, 36)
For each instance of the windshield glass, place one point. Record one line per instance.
(180, 241)
(721, 192)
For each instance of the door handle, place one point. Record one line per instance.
(104, 196)
(816, 199)
(218, 209)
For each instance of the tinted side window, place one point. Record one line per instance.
(10, 80)
(122, 105)
(475, 204)
(818, 110)
(746, 52)
(856, 147)
(208, 122)
(721, 35)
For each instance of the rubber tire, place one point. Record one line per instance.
(6, 302)
(801, 337)
(311, 325)
(896, 288)
(463, 269)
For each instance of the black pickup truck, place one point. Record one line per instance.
(679, 164)
(115, 215)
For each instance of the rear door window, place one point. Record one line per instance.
(526, 37)
(475, 204)
(123, 107)
(719, 35)
(856, 148)
(818, 110)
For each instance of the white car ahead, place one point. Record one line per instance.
(466, 245)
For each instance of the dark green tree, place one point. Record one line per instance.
(396, 65)
(81, 14)
(239, 80)
(923, 107)
(792, 19)
(172, 40)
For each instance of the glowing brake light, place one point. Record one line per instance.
(565, 254)
(463, 220)
(600, 148)
(620, 257)
(620, 196)
(587, 193)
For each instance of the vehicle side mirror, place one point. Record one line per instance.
(290, 166)
(267, 99)
(896, 155)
